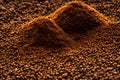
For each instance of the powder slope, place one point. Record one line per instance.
(44, 32)
(78, 17)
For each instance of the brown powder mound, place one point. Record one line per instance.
(44, 32)
(78, 17)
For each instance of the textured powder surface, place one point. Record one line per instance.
(96, 57)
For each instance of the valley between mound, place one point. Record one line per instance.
(56, 29)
